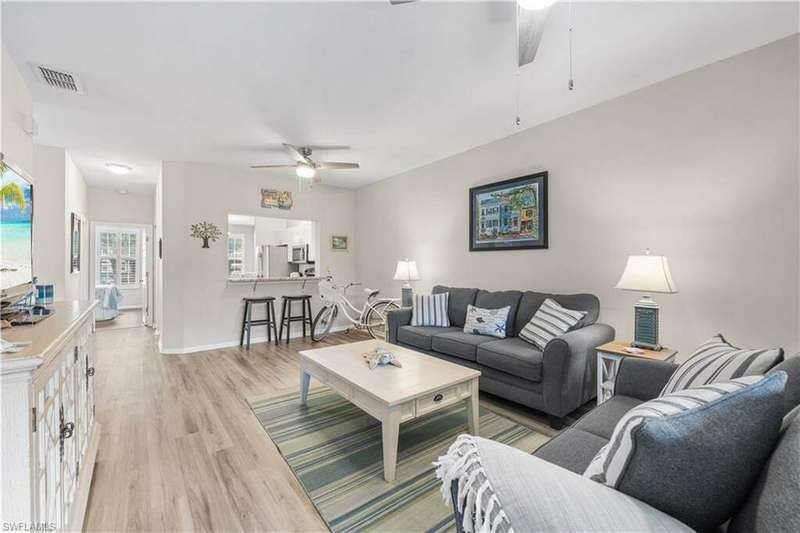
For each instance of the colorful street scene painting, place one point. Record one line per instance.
(509, 214)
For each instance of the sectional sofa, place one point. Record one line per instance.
(557, 380)
(564, 500)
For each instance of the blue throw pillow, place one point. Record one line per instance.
(486, 321)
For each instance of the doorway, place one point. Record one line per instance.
(120, 273)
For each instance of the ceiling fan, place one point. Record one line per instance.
(530, 26)
(305, 167)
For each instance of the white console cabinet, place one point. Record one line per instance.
(49, 436)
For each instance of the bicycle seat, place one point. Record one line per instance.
(372, 292)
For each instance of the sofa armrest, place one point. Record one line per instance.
(394, 320)
(568, 376)
(642, 378)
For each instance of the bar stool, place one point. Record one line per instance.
(269, 321)
(287, 317)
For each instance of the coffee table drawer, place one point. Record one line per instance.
(435, 400)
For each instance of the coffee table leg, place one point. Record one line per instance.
(473, 410)
(391, 433)
(305, 379)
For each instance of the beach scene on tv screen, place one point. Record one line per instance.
(16, 208)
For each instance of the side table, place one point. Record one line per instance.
(609, 357)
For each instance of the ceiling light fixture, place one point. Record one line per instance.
(123, 191)
(118, 168)
(535, 5)
(305, 171)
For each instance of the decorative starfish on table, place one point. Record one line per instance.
(381, 356)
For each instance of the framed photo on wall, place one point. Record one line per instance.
(339, 243)
(75, 244)
(509, 215)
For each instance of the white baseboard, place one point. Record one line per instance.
(228, 344)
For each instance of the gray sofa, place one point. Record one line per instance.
(772, 505)
(557, 380)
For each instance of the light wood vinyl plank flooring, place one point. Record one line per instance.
(180, 449)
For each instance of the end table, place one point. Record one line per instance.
(609, 357)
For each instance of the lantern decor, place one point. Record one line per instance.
(206, 231)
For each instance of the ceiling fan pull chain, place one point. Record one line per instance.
(517, 122)
(571, 84)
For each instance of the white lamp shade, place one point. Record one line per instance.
(647, 273)
(406, 271)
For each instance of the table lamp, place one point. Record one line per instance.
(647, 273)
(406, 271)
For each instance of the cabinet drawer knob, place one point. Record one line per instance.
(90, 371)
(438, 398)
(67, 430)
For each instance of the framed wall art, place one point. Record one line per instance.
(509, 215)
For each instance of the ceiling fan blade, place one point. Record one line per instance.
(530, 27)
(296, 153)
(316, 147)
(332, 165)
(273, 166)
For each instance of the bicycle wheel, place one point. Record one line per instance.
(376, 319)
(323, 322)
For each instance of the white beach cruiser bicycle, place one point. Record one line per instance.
(371, 317)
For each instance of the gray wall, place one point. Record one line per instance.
(702, 168)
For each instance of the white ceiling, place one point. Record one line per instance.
(403, 85)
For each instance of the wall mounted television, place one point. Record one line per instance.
(16, 232)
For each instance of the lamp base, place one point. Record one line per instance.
(406, 296)
(645, 332)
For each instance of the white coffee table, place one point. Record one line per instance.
(392, 395)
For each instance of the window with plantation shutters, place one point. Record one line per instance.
(118, 258)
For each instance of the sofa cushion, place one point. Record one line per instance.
(695, 454)
(457, 304)
(602, 420)
(718, 360)
(491, 322)
(531, 301)
(514, 356)
(572, 449)
(420, 336)
(498, 299)
(773, 503)
(459, 344)
(588, 303)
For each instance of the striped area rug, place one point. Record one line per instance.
(335, 451)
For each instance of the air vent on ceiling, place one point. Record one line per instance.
(58, 79)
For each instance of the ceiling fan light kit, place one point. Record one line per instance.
(305, 171)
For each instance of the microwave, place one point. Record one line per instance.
(298, 254)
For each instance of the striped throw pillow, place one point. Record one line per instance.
(609, 465)
(718, 360)
(550, 321)
(430, 310)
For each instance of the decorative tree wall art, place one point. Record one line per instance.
(206, 231)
